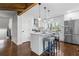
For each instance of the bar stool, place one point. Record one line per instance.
(50, 49)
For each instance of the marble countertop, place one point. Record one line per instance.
(44, 34)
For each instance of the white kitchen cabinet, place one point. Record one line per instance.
(37, 42)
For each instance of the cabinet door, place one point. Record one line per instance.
(76, 27)
(76, 32)
(35, 43)
(68, 31)
(68, 38)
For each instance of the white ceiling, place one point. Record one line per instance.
(60, 8)
(56, 9)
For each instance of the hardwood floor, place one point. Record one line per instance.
(24, 49)
(10, 49)
(68, 49)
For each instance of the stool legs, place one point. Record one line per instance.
(43, 45)
(50, 47)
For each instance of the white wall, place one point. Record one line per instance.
(14, 28)
(3, 33)
(19, 30)
(24, 27)
(10, 23)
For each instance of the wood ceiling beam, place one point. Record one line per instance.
(29, 7)
(11, 9)
(12, 5)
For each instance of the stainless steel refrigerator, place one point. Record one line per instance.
(71, 31)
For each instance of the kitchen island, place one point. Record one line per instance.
(37, 42)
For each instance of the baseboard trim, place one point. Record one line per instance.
(34, 54)
(70, 43)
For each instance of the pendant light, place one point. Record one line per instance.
(45, 13)
(39, 18)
